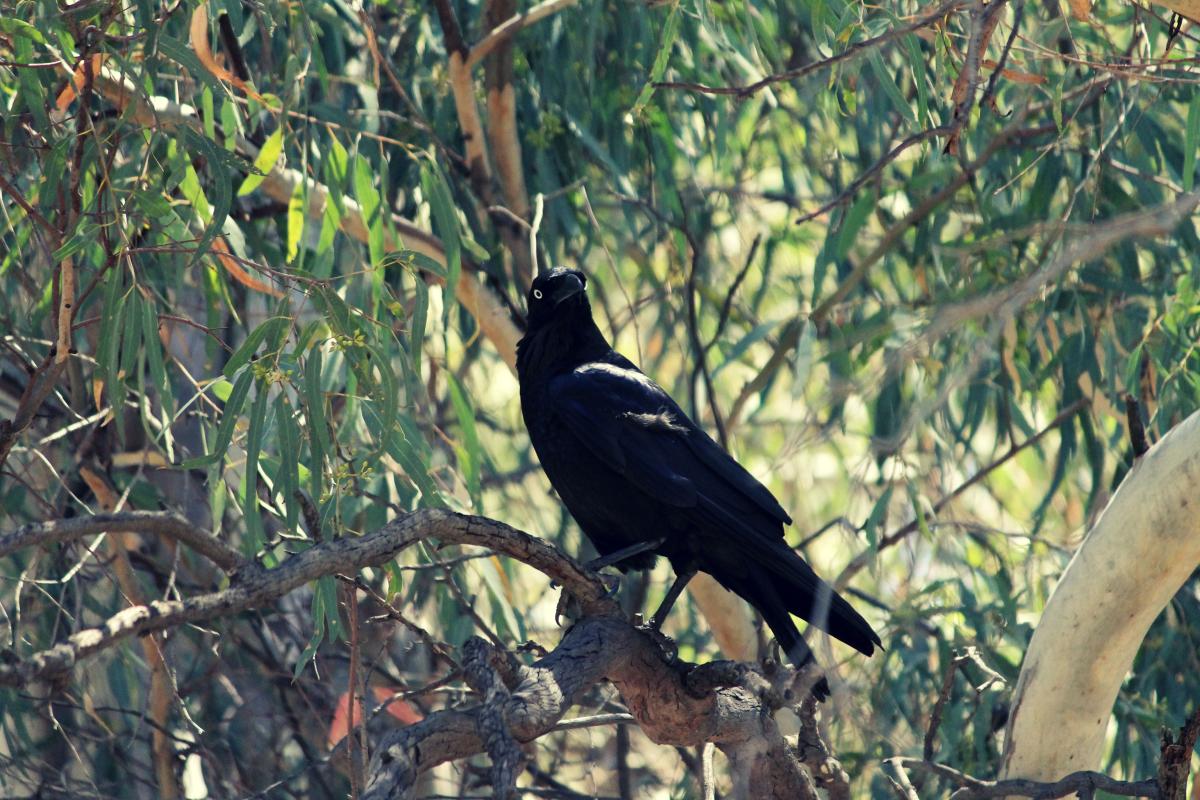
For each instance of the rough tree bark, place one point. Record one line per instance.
(1143, 547)
(729, 704)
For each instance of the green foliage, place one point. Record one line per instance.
(885, 315)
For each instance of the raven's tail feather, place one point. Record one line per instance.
(829, 611)
(793, 582)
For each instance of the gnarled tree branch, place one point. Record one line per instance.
(169, 525)
(657, 690)
(254, 586)
(723, 703)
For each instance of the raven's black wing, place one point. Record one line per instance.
(630, 423)
(635, 428)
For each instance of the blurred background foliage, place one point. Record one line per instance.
(873, 285)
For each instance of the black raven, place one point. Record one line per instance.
(642, 479)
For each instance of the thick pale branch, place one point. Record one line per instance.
(1143, 547)
(463, 89)
(254, 587)
(475, 139)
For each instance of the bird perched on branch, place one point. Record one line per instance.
(643, 480)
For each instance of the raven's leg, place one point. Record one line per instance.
(617, 556)
(681, 580)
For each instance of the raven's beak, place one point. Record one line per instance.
(571, 286)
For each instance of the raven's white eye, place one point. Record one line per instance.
(537, 294)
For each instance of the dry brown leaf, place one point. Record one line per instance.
(72, 89)
(105, 496)
(98, 396)
(198, 38)
(136, 458)
(339, 726)
(240, 275)
(1016, 75)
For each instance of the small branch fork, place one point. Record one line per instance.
(481, 674)
(968, 656)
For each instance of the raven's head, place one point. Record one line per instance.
(559, 293)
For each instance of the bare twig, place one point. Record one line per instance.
(698, 348)
(594, 721)
(169, 525)
(727, 305)
(998, 70)
(852, 189)
(935, 716)
(968, 656)
(1082, 783)
(1176, 759)
(41, 384)
(439, 648)
(853, 51)
(984, 19)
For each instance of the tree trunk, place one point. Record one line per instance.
(1143, 547)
